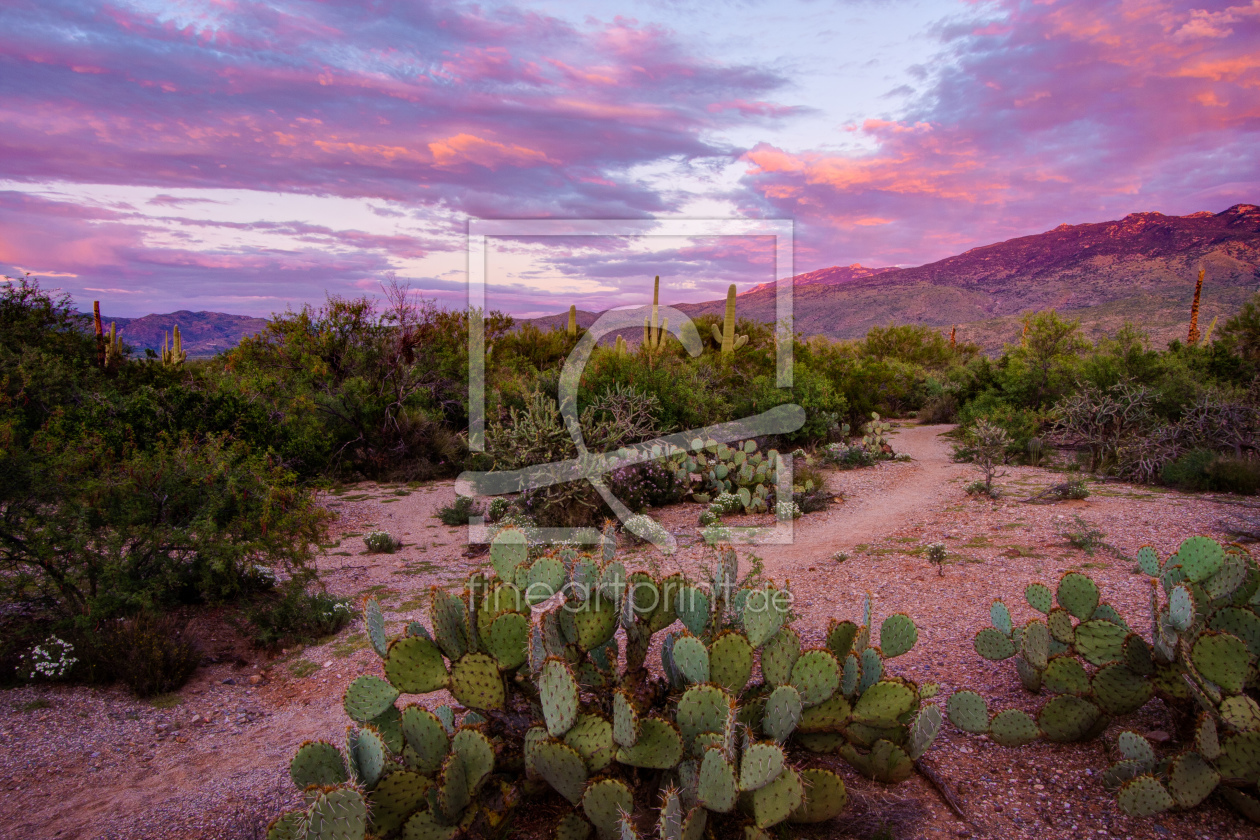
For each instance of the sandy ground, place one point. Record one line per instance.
(212, 762)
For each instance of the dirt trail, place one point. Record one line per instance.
(914, 493)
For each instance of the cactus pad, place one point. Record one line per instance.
(1240, 757)
(1181, 607)
(625, 720)
(872, 669)
(840, 636)
(1144, 796)
(884, 702)
(544, 579)
(1065, 675)
(475, 682)
(427, 738)
(1200, 558)
(731, 661)
(508, 550)
(369, 755)
(886, 762)
(659, 746)
(693, 608)
(775, 802)
(1148, 561)
(762, 616)
(828, 716)
(1062, 630)
(667, 612)
(1232, 575)
(572, 827)
(449, 623)
(923, 730)
(1039, 597)
(778, 655)
(702, 708)
(317, 763)
(1191, 779)
(1137, 655)
(1066, 718)
(424, 826)
(1119, 691)
(368, 697)
(562, 767)
(507, 640)
(825, 797)
(1013, 728)
(897, 635)
(558, 694)
(849, 678)
(339, 814)
(691, 658)
(968, 711)
(604, 801)
(782, 712)
(1078, 594)
(414, 665)
(395, 797)
(1034, 644)
(594, 623)
(816, 675)
(716, 784)
(592, 737)
(1240, 712)
(1100, 642)
(477, 754)
(992, 644)
(374, 623)
(1223, 659)
(760, 765)
(1242, 623)
(1029, 676)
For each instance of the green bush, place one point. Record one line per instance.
(148, 652)
(1190, 471)
(458, 512)
(296, 617)
(380, 542)
(1231, 474)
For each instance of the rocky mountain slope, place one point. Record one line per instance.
(203, 333)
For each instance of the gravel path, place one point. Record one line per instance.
(89, 763)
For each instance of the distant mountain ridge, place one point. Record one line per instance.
(1141, 268)
(203, 333)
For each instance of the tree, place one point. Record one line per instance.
(1241, 333)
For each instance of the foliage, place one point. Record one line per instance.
(986, 445)
(558, 707)
(1100, 420)
(381, 542)
(1198, 662)
(149, 653)
(458, 512)
(295, 616)
(936, 555)
(1083, 535)
(1241, 333)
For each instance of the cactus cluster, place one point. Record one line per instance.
(1201, 662)
(563, 700)
(113, 348)
(173, 354)
(875, 435)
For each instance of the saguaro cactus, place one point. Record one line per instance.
(173, 354)
(953, 333)
(653, 335)
(572, 320)
(113, 348)
(100, 334)
(1193, 336)
(727, 338)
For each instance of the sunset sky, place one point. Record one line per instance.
(247, 157)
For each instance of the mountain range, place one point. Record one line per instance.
(1141, 268)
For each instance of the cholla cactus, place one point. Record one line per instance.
(573, 708)
(936, 556)
(726, 337)
(173, 354)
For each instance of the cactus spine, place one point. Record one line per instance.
(727, 338)
(572, 321)
(653, 335)
(1193, 336)
(173, 354)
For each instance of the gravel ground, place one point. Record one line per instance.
(92, 763)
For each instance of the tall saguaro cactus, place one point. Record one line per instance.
(727, 338)
(113, 348)
(173, 354)
(100, 334)
(572, 320)
(1193, 336)
(653, 335)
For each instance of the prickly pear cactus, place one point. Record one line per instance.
(560, 697)
(1200, 661)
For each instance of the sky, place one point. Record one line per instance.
(251, 157)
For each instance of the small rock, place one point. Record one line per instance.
(229, 681)
(1159, 736)
(328, 664)
(195, 719)
(255, 679)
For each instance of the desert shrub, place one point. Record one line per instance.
(1230, 474)
(459, 511)
(942, 408)
(650, 484)
(1021, 424)
(294, 616)
(986, 445)
(845, 457)
(1101, 419)
(498, 509)
(787, 510)
(1190, 471)
(381, 542)
(936, 556)
(148, 653)
(1083, 535)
